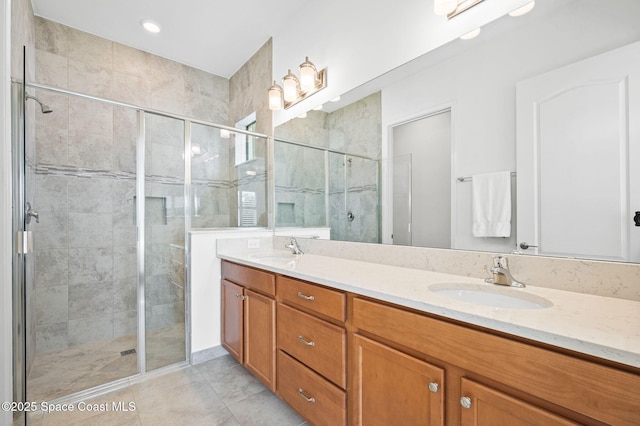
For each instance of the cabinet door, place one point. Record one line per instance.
(233, 319)
(486, 406)
(260, 337)
(393, 388)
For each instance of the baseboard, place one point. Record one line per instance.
(207, 354)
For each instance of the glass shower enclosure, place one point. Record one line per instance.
(104, 200)
(318, 187)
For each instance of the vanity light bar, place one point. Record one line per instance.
(463, 6)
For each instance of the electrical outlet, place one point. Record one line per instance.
(253, 244)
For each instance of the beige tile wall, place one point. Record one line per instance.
(85, 186)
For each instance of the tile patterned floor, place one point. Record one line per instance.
(61, 373)
(216, 392)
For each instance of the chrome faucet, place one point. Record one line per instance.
(501, 274)
(293, 245)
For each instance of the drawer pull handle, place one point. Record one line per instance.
(301, 295)
(306, 398)
(465, 401)
(434, 387)
(306, 342)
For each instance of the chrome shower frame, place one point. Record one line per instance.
(19, 214)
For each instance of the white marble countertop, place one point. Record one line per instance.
(604, 327)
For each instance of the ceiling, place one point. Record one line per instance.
(212, 35)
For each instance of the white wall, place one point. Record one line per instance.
(6, 368)
(205, 284)
(357, 40)
(478, 81)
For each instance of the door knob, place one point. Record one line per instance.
(525, 245)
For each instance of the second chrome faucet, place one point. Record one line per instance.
(293, 245)
(501, 274)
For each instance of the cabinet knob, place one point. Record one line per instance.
(241, 296)
(306, 342)
(434, 387)
(465, 401)
(306, 398)
(301, 295)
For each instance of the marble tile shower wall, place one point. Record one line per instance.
(300, 186)
(353, 182)
(85, 184)
(353, 188)
(246, 95)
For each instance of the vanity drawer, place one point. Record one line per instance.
(316, 399)
(319, 299)
(317, 343)
(255, 279)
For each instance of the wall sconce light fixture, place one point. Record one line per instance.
(452, 8)
(294, 89)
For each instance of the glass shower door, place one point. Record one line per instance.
(353, 197)
(361, 183)
(164, 241)
(80, 282)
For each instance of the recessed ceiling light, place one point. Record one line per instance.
(524, 9)
(150, 25)
(471, 34)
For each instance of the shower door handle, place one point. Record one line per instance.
(31, 214)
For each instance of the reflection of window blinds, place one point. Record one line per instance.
(248, 212)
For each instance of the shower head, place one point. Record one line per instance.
(46, 109)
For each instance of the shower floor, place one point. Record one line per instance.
(60, 373)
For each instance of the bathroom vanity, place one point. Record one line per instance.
(362, 343)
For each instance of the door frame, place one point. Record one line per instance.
(387, 172)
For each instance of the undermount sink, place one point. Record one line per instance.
(490, 295)
(268, 256)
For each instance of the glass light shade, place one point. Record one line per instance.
(308, 75)
(471, 34)
(444, 7)
(275, 99)
(150, 25)
(290, 86)
(524, 9)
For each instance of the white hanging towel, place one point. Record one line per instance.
(491, 204)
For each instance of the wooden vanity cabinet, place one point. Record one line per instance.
(248, 319)
(488, 406)
(391, 387)
(312, 351)
(491, 378)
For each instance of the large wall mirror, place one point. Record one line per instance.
(550, 98)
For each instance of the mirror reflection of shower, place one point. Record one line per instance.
(46, 109)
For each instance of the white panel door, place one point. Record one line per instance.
(402, 200)
(578, 158)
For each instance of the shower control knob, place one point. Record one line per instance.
(636, 218)
(350, 216)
